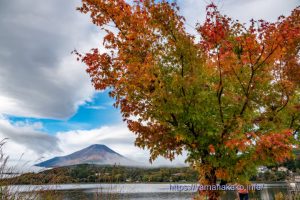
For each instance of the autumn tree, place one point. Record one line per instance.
(230, 99)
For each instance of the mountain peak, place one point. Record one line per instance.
(97, 145)
(94, 154)
(100, 148)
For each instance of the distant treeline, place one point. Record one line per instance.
(87, 173)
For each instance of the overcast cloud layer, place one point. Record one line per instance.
(40, 78)
(38, 75)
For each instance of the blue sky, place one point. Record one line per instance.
(93, 114)
(48, 106)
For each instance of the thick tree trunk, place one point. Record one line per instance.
(208, 181)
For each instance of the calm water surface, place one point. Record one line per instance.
(141, 191)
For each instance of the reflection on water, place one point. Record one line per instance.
(142, 191)
(72, 195)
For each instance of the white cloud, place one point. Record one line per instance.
(29, 136)
(96, 107)
(33, 145)
(25, 143)
(117, 137)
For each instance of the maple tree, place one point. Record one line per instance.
(231, 99)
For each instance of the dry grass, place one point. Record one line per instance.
(11, 190)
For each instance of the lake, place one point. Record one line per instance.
(142, 191)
